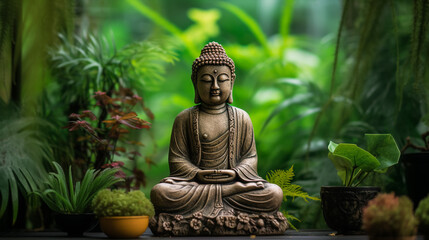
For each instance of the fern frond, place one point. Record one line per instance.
(291, 218)
(283, 178)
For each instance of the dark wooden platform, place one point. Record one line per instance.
(290, 234)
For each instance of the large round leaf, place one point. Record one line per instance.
(343, 165)
(360, 158)
(384, 148)
(332, 146)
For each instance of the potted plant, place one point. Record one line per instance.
(342, 206)
(123, 214)
(72, 202)
(388, 216)
(422, 214)
(416, 165)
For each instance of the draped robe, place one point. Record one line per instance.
(180, 193)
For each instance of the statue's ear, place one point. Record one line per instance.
(230, 100)
(197, 98)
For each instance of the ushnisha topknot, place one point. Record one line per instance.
(212, 54)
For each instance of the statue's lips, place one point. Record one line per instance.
(214, 93)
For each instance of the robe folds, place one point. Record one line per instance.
(180, 193)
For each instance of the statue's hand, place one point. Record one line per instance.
(260, 185)
(228, 172)
(216, 176)
(168, 180)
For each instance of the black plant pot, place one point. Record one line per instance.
(416, 167)
(76, 224)
(342, 207)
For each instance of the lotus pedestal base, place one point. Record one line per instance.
(237, 223)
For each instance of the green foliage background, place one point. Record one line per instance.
(308, 71)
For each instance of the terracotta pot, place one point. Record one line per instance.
(416, 176)
(124, 226)
(75, 224)
(342, 207)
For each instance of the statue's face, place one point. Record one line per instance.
(214, 84)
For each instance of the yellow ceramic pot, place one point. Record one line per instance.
(124, 226)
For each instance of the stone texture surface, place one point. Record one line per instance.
(233, 223)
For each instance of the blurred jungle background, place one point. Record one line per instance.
(308, 71)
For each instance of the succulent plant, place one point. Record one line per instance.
(120, 203)
(422, 214)
(389, 215)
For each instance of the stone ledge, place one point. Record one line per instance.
(237, 223)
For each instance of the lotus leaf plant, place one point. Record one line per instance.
(354, 164)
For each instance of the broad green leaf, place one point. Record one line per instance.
(384, 148)
(360, 158)
(332, 146)
(343, 165)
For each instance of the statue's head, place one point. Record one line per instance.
(213, 75)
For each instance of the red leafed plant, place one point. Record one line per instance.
(108, 134)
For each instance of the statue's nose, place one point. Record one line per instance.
(215, 85)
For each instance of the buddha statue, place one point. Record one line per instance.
(213, 163)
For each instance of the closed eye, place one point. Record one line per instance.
(206, 78)
(223, 78)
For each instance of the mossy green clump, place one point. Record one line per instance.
(422, 214)
(120, 203)
(388, 215)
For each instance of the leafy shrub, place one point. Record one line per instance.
(120, 203)
(102, 137)
(388, 215)
(24, 149)
(90, 64)
(422, 214)
(62, 197)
